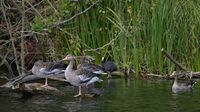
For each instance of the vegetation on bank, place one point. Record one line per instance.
(132, 32)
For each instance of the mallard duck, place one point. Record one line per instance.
(47, 69)
(81, 76)
(182, 86)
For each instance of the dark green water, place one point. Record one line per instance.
(118, 96)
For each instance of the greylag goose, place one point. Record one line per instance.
(80, 77)
(182, 86)
(47, 69)
(85, 63)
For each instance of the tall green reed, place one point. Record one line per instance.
(133, 32)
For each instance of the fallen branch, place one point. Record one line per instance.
(156, 75)
(173, 60)
(187, 74)
(36, 88)
(14, 83)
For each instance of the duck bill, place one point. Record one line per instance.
(64, 59)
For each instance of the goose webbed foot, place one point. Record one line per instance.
(45, 85)
(79, 92)
(78, 95)
(109, 76)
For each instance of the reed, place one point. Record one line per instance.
(133, 32)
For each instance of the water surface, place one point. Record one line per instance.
(118, 96)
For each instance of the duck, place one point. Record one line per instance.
(106, 67)
(109, 67)
(182, 86)
(47, 69)
(80, 77)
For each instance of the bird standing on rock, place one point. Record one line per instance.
(47, 69)
(80, 77)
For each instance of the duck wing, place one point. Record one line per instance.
(186, 85)
(87, 76)
(51, 72)
(92, 68)
(55, 65)
(191, 83)
(50, 68)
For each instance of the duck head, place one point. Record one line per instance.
(69, 57)
(38, 63)
(87, 59)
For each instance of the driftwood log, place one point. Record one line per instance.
(36, 88)
(185, 73)
(27, 85)
(23, 83)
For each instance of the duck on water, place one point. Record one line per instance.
(181, 86)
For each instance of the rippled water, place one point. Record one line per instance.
(118, 96)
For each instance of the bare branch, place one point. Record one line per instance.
(102, 47)
(10, 33)
(5, 62)
(15, 39)
(32, 7)
(52, 7)
(82, 12)
(22, 54)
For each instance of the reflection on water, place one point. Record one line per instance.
(118, 95)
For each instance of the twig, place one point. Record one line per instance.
(4, 61)
(33, 7)
(41, 1)
(15, 39)
(62, 22)
(173, 60)
(52, 7)
(22, 54)
(10, 33)
(102, 47)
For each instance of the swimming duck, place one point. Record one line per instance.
(182, 86)
(81, 76)
(47, 69)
